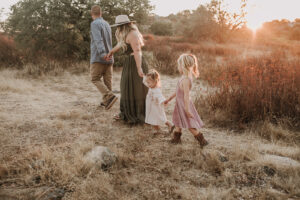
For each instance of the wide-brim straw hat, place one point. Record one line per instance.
(122, 19)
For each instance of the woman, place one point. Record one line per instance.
(133, 91)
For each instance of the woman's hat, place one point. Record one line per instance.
(121, 19)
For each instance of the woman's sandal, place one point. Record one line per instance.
(117, 117)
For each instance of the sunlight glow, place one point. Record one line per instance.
(259, 11)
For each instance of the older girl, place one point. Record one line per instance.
(185, 114)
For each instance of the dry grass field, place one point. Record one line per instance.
(49, 122)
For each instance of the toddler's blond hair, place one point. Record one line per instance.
(154, 76)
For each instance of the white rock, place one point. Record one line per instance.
(100, 156)
(279, 161)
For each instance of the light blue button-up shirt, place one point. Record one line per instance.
(101, 41)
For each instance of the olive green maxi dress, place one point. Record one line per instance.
(133, 91)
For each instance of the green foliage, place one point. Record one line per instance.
(210, 21)
(161, 28)
(201, 24)
(60, 28)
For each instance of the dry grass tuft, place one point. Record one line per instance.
(46, 67)
(10, 83)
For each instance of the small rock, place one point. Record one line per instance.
(279, 161)
(56, 194)
(101, 156)
(223, 158)
(269, 171)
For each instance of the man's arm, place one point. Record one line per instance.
(98, 38)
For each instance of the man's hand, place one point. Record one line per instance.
(108, 56)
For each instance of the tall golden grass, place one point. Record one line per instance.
(258, 88)
(248, 82)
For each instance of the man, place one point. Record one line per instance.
(101, 44)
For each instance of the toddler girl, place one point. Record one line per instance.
(155, 113)
(185, 114)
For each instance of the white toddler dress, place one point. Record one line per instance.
(155, 112)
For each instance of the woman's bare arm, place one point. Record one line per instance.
(134, 41)
(112, 52)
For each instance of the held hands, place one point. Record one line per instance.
(140, 72)
(166, 102)
(108, 57)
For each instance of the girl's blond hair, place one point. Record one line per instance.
(123, 31)
(154, 76)
(188, 63)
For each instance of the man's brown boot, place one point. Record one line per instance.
(176, 138)
(201, 140)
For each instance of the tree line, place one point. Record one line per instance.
(60, 29)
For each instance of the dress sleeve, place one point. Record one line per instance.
(159, 96)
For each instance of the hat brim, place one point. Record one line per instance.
(119, 24)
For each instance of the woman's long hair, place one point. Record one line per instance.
(123, 31)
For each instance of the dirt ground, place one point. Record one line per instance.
(48, 124)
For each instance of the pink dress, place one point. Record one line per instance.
(180, 118)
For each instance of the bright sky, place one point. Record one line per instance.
(259, 11)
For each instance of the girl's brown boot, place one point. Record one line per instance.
(176, 138)
(201, 140)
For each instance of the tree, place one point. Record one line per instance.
(210, 21)
(161, 28)
(60, 28)
(227, 22)
(201, 24)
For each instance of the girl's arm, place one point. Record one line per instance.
(134, 41)
(186, 91)
(170, 98)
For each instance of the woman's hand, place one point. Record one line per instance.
(141, 73)
(108, 56)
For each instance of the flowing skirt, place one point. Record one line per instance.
(133, 92)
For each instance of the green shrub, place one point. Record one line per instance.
(9, 55)
(161, 28)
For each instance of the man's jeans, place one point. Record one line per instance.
(97, 71)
